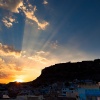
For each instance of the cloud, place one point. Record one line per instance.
(3, 75)
(40, 57)
(18, 6)
(29, 13)
(42, 25)
(14, 63)
(11, 5)
(6, 50)
(8, 21)
(3, 71)
(45, 2)
(42, 53)
(1, 61)
(20, 59)
(54, 45)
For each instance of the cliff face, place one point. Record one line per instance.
(70, 71)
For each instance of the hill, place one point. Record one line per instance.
(69, 71)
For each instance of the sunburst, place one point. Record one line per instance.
(18, 80)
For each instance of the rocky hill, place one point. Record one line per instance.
(69, 71)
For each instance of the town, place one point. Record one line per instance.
(75, 90)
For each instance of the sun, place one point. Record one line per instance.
(18, 80)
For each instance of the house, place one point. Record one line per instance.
(92, 94)
(70, 92)
(89, 92)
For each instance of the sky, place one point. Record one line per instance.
(35, 34)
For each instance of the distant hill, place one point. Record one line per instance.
(69, 71)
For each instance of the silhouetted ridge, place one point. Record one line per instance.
(70, 71)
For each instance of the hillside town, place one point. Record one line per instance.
(75, 90)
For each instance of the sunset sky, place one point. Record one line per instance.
(35, 34)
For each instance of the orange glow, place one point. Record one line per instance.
(19, 80)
